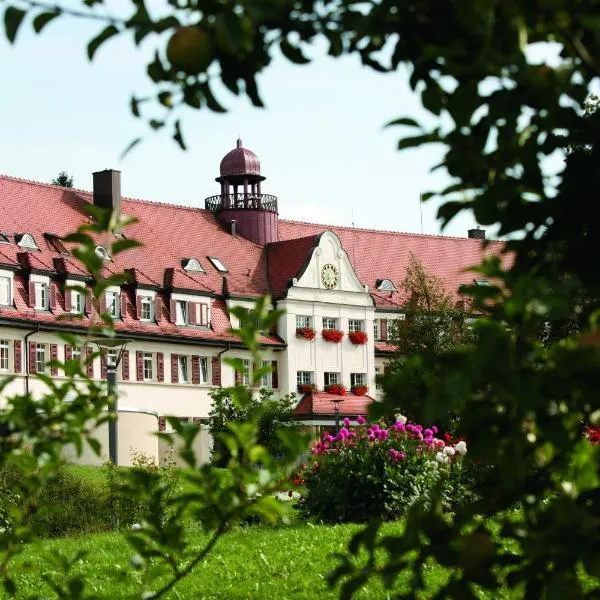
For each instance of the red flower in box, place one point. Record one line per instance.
(360, 390)
(358, 337)
(307, 388)
(336, 388)
(306, 332)
(332, 335)
(593, 434)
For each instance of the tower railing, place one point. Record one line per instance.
(266, 202)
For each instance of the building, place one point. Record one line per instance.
(193, 266)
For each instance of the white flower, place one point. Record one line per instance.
(401, 419)
(136, 526)
(449, 450)
(441, 458)
(461, 447)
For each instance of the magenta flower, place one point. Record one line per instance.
(328, 438)
(434, 429)
(371, 437)
(346, 421)
(428, 432)
(361, 420)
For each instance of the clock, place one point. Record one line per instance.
(329, 276)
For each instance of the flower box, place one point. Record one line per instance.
(336, 389)
(307, 388)
(307, 333)
(358, 337)
(360, 390)
(332, 335)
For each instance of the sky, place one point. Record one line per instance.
(321, 138)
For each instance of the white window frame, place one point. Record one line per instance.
(378, 373)
(41, 351)
(193, 265)
(217, 264)
(113, 303)
(183, 368)
(148, 366)
(27, 241)
(376, 329)
(182, 315)
(203, 369)
(303, 321)
(112, 356)
(246, 372)
(357, 379)
(5, 346)
(331, 378)
(5, 284)
(76, 353)
(330, 323)
(42, 291)
(304, 377)
(355, 325)
(266, 381)
(146, 303)
(77, 302)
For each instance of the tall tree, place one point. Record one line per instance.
(63, 179)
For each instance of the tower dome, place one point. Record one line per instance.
(239, 162)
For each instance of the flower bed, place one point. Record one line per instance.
(336, 389)
(360, 390)
(307, 388)
(358, 337)
(332, 335)
(308, 333)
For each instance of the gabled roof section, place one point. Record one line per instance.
(319, 404)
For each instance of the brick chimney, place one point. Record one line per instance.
(107, 189)
(477, 234)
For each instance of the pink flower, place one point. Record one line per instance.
(328, 438)
(361, 420)
(371, 437)
(434, 429)
(428, 432)
(440, 443)
(347, 422)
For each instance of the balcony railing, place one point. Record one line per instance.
(253, 201)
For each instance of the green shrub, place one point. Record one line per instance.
(368, 472)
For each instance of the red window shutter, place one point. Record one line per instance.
(52, 296)
(68, 305)
(174, 368)
(68, 352)
(53, 357)
(90, 365)
(138, 307)
(31, 297)
(162, 423)
(88, 302)
(195, 369)
(103, 306)
(383, 329)
(125, 365)
(18, 356)
(173, 311)
(160, 366)
(191, 313)
(157, 309)
(103, 367)
(32, 366)
(386, 369)
(274, 375)
(238, 377)
(206, 313)
(216, 370)
(139, 365)
(123, 305)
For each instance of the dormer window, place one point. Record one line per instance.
(26, 241)
(56, 244)
(481, 282)
(102, 253)
(217, 264)
(386, 285)
(41, 296)
(4, 239)
(192, 264)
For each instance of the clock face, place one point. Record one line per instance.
(329, 276)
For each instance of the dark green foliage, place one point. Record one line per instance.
(63, 179)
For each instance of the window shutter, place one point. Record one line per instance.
(173, 311)
(54, 357)
(31, 295)
(32, 367)
(68, 305)
(123, 305)
(192, 313)
(216, 370)
(90, 365)
(274, 375)
(103, 367)
(52, 296)
(157, 309)
(160, 366)
(383, 329)
(68, 352)
(125, 363)
(88, 302)
(139, 365)
(195, 369)
(18, 356)
(204, 309)
(238, 377)
(138, 307)
(386, 369)
(174, 368)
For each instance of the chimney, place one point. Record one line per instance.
(477, 234)
(107, 189)
(231, 226)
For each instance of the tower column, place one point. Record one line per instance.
(245, 188)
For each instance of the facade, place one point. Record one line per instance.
(193, 266)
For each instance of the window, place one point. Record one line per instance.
(27, 242)
(357, 379)
(217, 264)
(378, 385)
(181, 312)
(386, 285)
(204, 369)
(112, 304)
(183, 369)
(146, 304)
(76, 302)
(303, 321)
(148, 364)
(304, 377)
(111, 358)
(376, 329)
(266, 380)
(355, 325)
(102, 253)
(246, 372)
(4, 355)
(76, 353)
(4, 239)
(40, 358)
(192, 264)
(56, 244)
(380, 329)
(41, 296)
(5, 291)
(331, 378)
(329, 323)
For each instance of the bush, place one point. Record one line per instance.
(368, 472)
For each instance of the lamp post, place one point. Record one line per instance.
(111, 352)
(336, 403)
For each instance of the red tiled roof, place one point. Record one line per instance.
(384, 347)
(321, 403)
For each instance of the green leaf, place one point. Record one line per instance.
(406, 121)
(432, 98)
(43, 19)
(292, 53)
(130, 147)
(178, 136)
(13, 17)
(104, 35)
